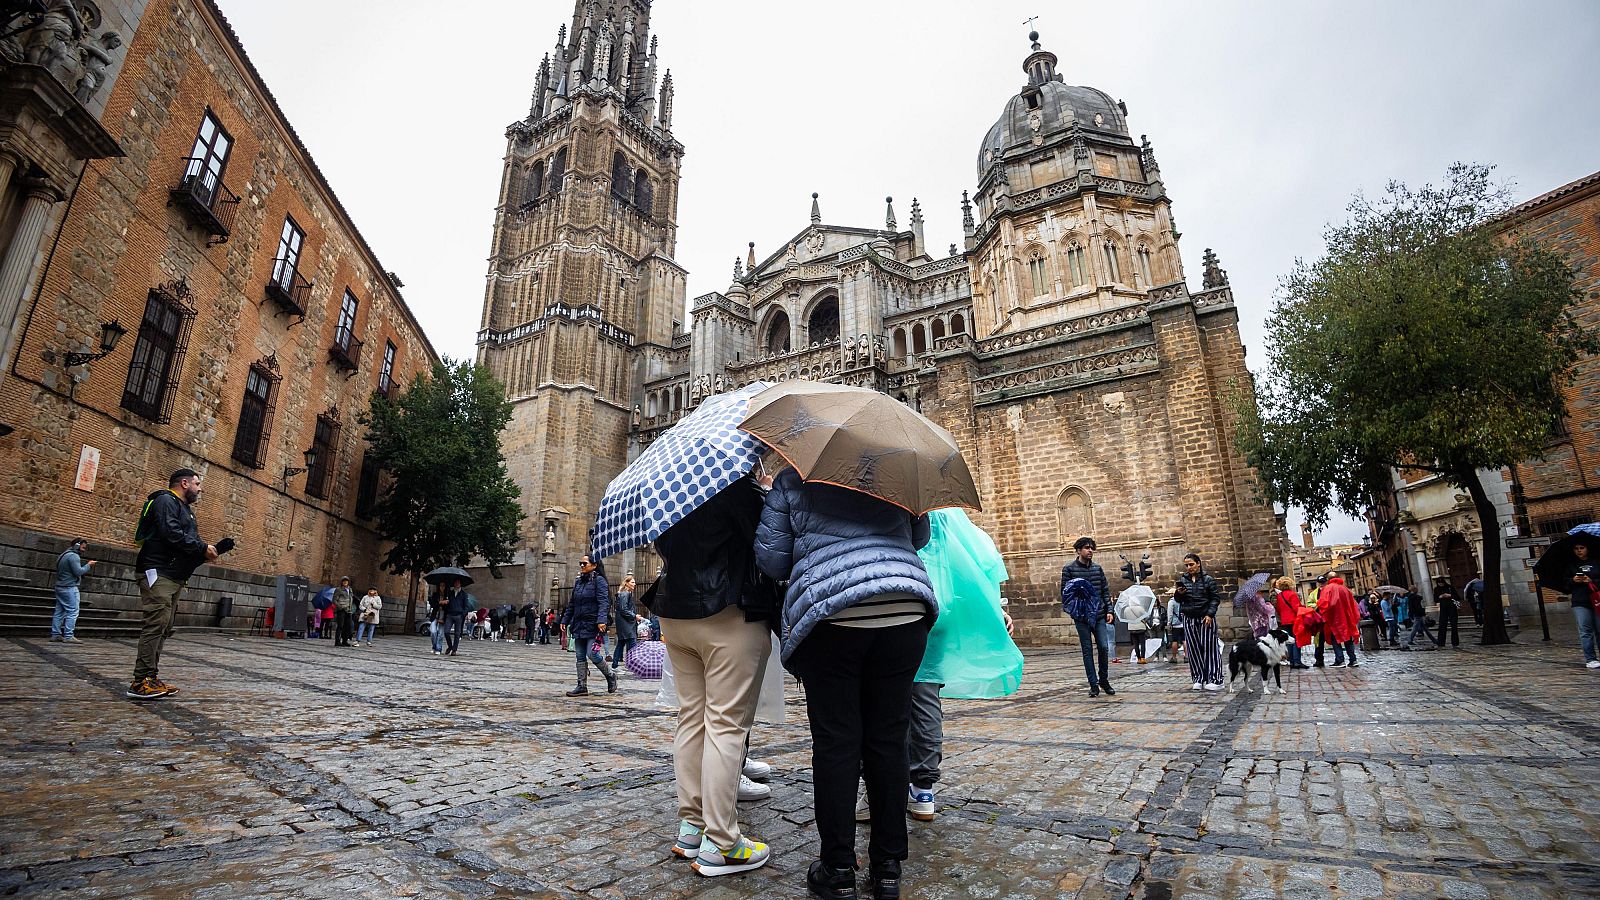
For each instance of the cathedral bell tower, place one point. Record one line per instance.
(583, 299)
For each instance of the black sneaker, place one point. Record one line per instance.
(1093, 692)
(1107, 688)
(578, 692)
(886, 880)
(834, 884)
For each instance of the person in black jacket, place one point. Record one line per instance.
(1093, 633)
(717, 653)
(586, 617)
(170, 550)
(1583, 586)
(1198, 599)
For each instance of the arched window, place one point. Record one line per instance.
(621, 183)
(535, 183)
(1145, 272)
(919, 339)
(937, 328)
(643, 194)
(1113, 270)
(650, 406)
(777, 339)
(677, 399)
(899, 343)
(1039, 274)
(1077, 265)
(958, 324)
(558, 171)
(1074, 515)
(822, 325)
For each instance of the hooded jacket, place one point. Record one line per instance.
(1339, 611)
(837, 547)
(172, 544)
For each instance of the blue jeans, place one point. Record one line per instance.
(1585, 617)
(1419, 628)
(621, 651)
(66, 617)
(365, 628)
(436, 632)
(1394, 631)
(1091, 636)
(454, 624)
(1294, 652)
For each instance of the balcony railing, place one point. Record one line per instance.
(289, 290)
(346, 351)
(206, 199)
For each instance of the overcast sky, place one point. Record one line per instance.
(1266, 117)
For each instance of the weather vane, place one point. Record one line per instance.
(1030, 20)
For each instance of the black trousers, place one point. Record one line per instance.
(858, 698)
(1449, 618)
(344, 626)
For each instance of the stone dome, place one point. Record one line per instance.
(1058, 107)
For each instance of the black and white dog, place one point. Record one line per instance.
(1265, 652)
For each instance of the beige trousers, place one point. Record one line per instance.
(717, 663)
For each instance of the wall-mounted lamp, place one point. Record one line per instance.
(291, 471)
(110, 334)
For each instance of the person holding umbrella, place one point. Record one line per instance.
(843, 526)
(1571, 565)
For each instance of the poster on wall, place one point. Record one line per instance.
(88, 468)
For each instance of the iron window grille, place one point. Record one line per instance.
(158, 354)
(367, 489)
(200, 190)
(287, 287)
(255, 413)
(325, 440)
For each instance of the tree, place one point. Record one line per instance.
(1424, 339)
(446, 496)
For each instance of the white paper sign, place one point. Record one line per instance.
(88, 468)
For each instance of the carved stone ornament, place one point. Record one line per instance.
(56, 35)
(1114, 402)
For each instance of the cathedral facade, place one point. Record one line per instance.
(1092, 391)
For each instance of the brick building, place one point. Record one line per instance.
(258, 323)
(1062, 346)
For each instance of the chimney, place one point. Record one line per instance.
(1306, 537)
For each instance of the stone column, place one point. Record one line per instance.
(8, 165)
(18, 263)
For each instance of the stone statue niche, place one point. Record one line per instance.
(56, 36)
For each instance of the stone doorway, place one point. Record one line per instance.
(1460, 564)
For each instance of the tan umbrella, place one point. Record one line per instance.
(860, 439)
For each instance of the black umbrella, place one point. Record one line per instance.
(447, 573)
(1556, 563)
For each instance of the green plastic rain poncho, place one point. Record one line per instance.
(969, 651)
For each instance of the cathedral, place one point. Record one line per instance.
(1092, 391)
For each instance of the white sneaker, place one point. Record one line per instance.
(751, 790)
(756, 769)
(1197, 686)
(920, 803)
(1592, 664)
(745, 856)
(1213, 687)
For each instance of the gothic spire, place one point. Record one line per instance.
(1215, 276)
(816, 211)
(541, 89)
(967, 226)
(750, 260)
(917, 240)
(666, 102)
(888, 219)
(1147, 156)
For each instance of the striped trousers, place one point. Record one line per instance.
(1200, 643)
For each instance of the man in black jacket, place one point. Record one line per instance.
(170, 550)
(1103, 628)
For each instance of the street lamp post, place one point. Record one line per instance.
(288, 473)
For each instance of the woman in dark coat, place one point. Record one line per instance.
(627, 621)
(1198, 599)
(586, 616)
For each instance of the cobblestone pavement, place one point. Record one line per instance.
(294, 769)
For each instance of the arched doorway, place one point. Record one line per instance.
(777, 337)
(1460, 564)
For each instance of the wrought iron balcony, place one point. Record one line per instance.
(206, 199)
(346, 351)
(289, 290)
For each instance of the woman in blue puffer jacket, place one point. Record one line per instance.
(856, 620)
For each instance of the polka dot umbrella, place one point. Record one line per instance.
(681, 469)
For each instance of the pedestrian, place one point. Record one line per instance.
(586, 624)
(1137, 608)
(438, 601)
(1258, 610)
(458, 605)
(1318, 619)
(371, 611)
(1175, 647)
(1418, 616)
(546, 626)
(1583, 586)
(1390, 625)
(170, 550)
(627, 618)
(856, 619)
(531, 622)
(1286, 602)
(1449, 613)
(1474, 594)
(1402, 613)
(328, 620)
(344, 612)
(1341, 620)
(70, 569)
(1198, 600)
(1090, 614)
(718, 650)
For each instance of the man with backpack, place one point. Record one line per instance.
(1086, 597)
(170, 550)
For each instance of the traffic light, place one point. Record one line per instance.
(1127, 571)
(1144, 569)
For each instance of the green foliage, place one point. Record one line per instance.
(447, 496)
(1423, 337)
